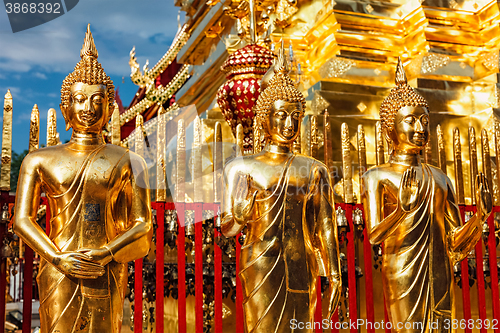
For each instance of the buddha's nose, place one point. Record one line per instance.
(418, 126)
(288, 122)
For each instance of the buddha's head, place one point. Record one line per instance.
(87, 94)
(404, 116)
(280, 107)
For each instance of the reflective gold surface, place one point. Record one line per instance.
(100, 210)
(411, 207)
(285, 201)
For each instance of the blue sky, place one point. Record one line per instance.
(34, 62)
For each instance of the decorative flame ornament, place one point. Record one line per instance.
(236, 97)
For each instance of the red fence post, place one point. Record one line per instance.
(318, 314)
(351, 267)
(217, 275)
(464, 265)
(480, 281)
(181, 267)
(160, 260)
(198, 268)
(27, 289)
(240, 326)
(138, 296)
(495, 298)
(367, 253)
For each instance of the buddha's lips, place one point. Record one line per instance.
(88, 116)
(419, 138)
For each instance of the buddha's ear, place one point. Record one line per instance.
(391, 139)
(64, 112)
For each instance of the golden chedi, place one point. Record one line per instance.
(285, 200)
(411, 207)
(99, 201)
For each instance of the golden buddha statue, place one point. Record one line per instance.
(286, 202)
(99, 201)
(411, 207)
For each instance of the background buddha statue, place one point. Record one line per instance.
(285, 201)
(99, 202)
(411, 208)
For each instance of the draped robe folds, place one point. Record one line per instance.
(88, 220)
(417, 265)
(279, 262)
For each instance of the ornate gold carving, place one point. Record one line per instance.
(34, 129)
(361, 155)
(51, 128)
(161, 185)
(6, 143)
(347, 164)
(485, 146)
(197, 171)
(459, 177)
(180, 187)
(115, 125)
(473, 161)
(379, 144)
(441, 149)
(218, 162)
(432, 62)
(336, 67)
(239, 140)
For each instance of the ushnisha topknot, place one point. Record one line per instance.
(280, 88)
(400, 96)
(88, 70)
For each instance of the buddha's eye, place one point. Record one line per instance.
(281, 114)
(425, 120)
(296, 115)
(79, 98)
(97, 99)
(410, 120)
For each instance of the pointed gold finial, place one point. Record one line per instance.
(88, 48)
(8, 94)
(400, 73)
(281, 64)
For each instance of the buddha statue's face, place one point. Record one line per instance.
(284, 121)
(411, 128)
(88, 107)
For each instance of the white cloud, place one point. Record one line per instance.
(116, 25)
(40, 75)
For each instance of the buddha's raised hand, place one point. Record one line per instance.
(408, 190)
(243, 200)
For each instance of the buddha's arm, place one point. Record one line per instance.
(378, 228)
(27, 202)
(135, 242)
(326, 236)
(461, 238)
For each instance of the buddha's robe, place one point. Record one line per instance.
(91, 212)
(418, 259)
(284, 250)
